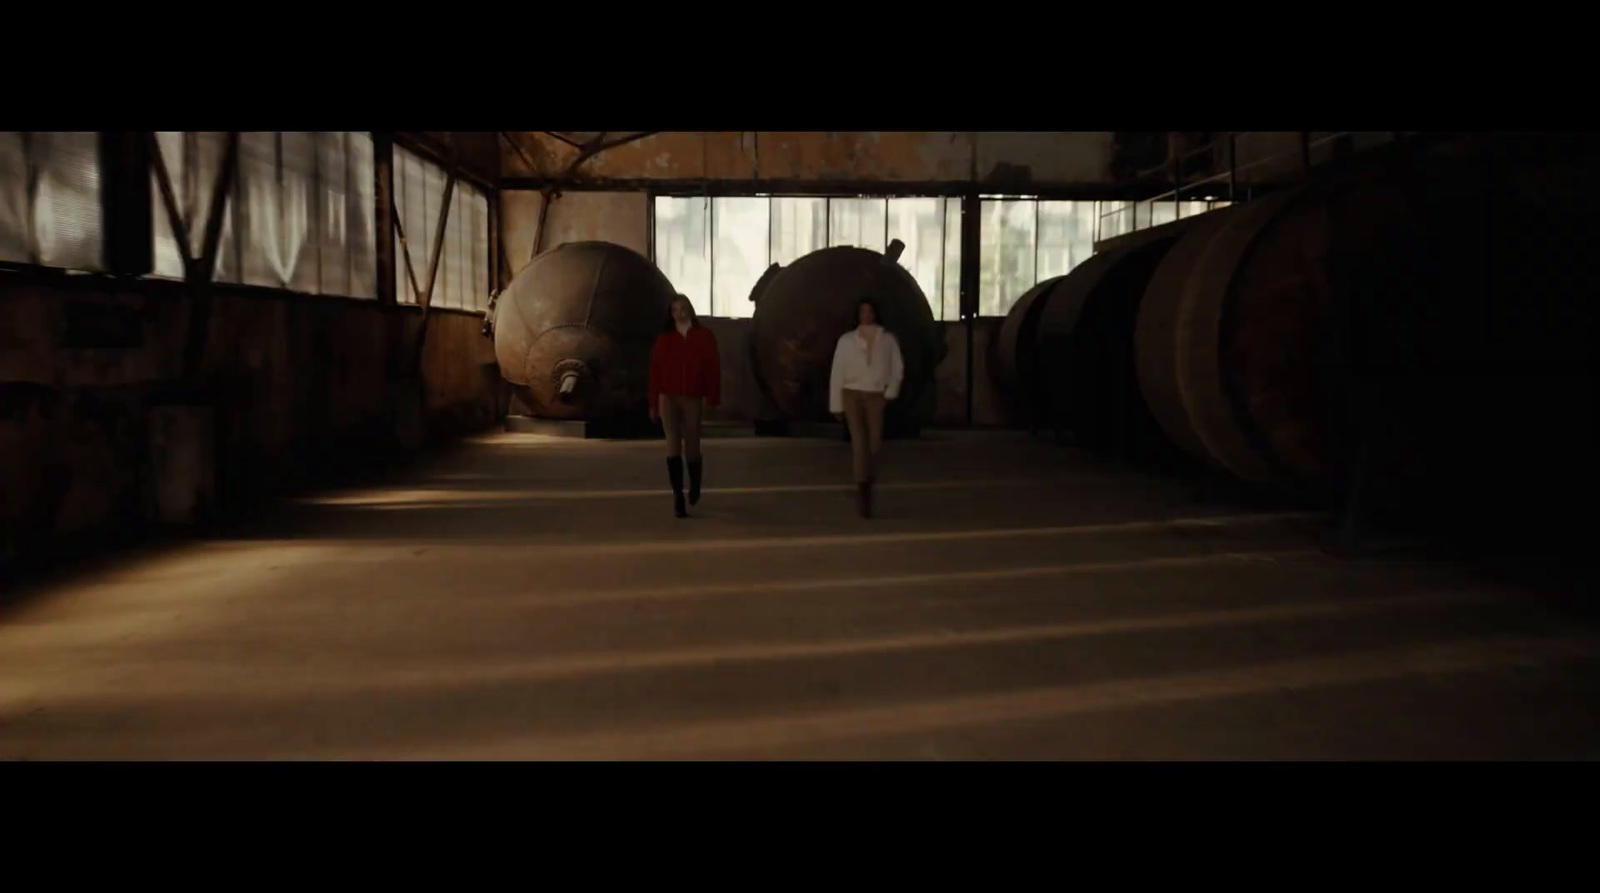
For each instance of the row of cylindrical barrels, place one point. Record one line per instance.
(1210, 335)
(1410, 298)
(574, 329)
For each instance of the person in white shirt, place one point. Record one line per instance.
(867, 369)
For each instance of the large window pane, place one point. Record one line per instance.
(333, 277)
(1162, 212)
(56, 222)
(739, 243)
(952, 259)
(857, 221)
(192, 160)
(420, 199)
(16, 206)
(361, 217)
(683, 247)
(300, 236)
(259, 200)
(1006, 262)
(799, 227)
(447, 290)
(479, 205)
(1066, 237)
(919, 223)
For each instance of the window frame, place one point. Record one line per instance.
(935, 301)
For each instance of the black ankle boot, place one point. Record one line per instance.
(864, 499)
(694, 480)
(675, 474)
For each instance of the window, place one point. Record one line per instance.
(858, 221)
(714, 250)
(462, 280)
(299, 215)
(1006, 259)
(50, 199)
(683, 247)
(740, 245)
(1025, 241)
(1066, 237)
(799, 227)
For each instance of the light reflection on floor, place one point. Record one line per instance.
(537, 600)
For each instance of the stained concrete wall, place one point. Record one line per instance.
(1056, 157)
(619, 217)
(301, 386)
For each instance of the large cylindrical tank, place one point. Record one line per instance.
(1083, 364)
(573, 331)
(803, 309)
(1016, 349)
(1239, 337)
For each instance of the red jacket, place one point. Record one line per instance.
(686, 366)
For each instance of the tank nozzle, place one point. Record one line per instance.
(569, 385)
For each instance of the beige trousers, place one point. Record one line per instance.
(863, 413)
(680, 418)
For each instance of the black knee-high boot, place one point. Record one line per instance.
(694, 479)
(675, 473)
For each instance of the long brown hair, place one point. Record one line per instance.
(694, 318)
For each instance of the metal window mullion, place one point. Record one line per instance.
(711, 256)
(1035, 245)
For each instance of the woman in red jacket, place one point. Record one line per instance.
(685, 376)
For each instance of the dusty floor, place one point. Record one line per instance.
(525, 597)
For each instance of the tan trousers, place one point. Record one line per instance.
(863, 413)
(680, 418)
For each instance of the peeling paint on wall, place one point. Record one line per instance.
(1072, 157)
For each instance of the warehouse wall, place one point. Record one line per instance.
(623, 218)
(1064, 157)
(308, 388)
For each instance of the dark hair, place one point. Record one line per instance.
(694, 318)
(877, 315)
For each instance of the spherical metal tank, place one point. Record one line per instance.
(803, 309)
(573, 331)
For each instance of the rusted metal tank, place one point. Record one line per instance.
(573, 331)
(1084, 347)
(803, 309)
(1239, 338)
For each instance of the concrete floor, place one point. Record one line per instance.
(527, 597)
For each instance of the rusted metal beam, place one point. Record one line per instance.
(125, 203)
(220, 191)
(405, 253)
(383, 197)
(426, 296)
(446, 157)
(552, 133)
(169, 198)
(31, 192)
(836, 188)
(200, 273)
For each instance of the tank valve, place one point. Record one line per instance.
(567, 374)
(896, 248)
(569, 384)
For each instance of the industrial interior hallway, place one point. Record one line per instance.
(525, 597)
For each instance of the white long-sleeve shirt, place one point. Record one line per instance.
(852, 370)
